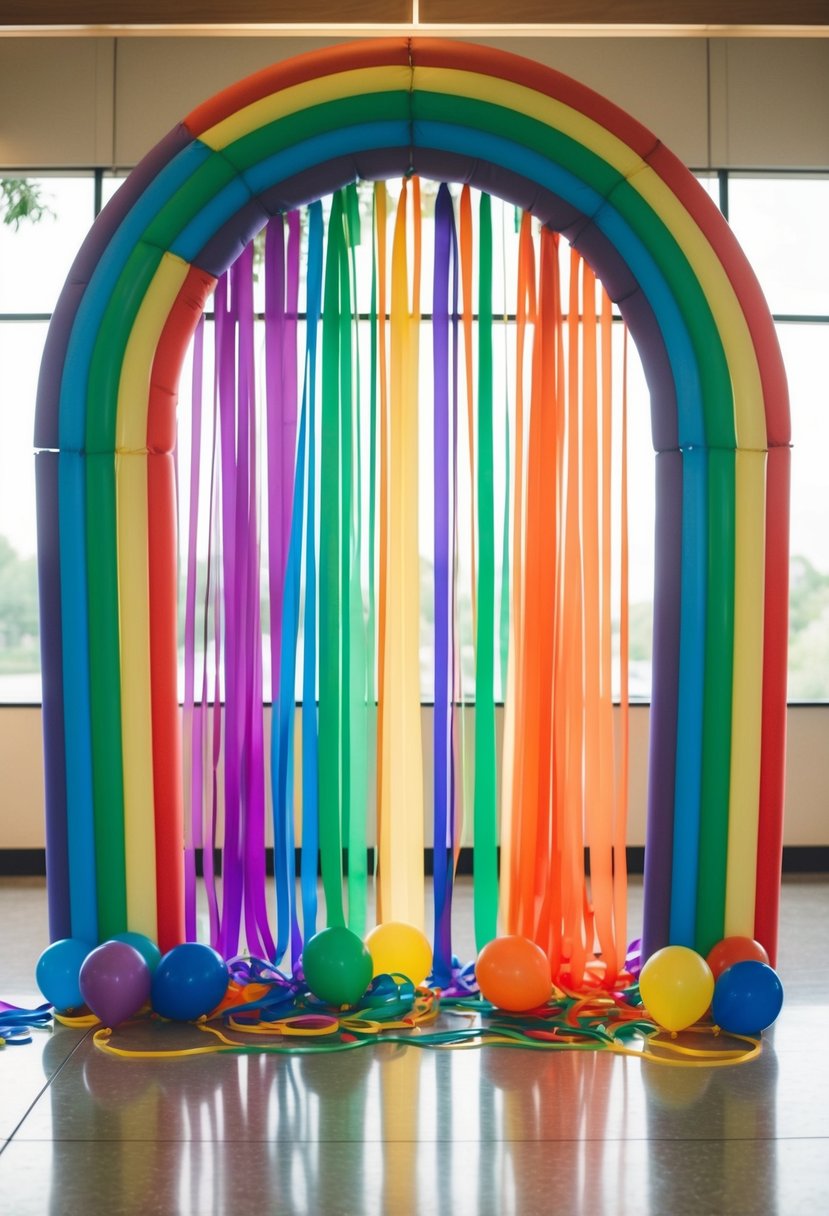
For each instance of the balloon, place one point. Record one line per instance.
(115, 982)
(733, 950)
(514, 974)
(58, 970)
(190, 980)
(747, 998)
(396, 948)
(147, 948)
(676, 985)
(337, 966)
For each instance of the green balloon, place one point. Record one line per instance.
(337, 966)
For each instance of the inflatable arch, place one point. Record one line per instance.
(105, 432)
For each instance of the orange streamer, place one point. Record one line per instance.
(380, 211)
(514, 730)
(564, 788)
(467, 313)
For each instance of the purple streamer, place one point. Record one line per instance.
(445, 256)
(225, 368)
(192, 815)
(290, 372)
(249, 721)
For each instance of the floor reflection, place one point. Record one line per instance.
(379, 1129)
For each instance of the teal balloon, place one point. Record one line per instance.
(748, 996)
(147, 948)
(337, 966)
(58, 972)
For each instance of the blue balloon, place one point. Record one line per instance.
(748, 996)
(190, 980)
(58, 972)
(147, 948)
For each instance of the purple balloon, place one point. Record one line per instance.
(115, 982)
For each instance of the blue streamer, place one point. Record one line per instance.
(310, 792)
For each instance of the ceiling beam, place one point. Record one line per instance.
(209, 16)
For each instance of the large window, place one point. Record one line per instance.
(780, 221)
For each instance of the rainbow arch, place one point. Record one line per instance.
(105, 432)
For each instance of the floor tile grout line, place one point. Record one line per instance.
(49, 1081)
(455, 1140)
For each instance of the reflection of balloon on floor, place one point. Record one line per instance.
(353, 1068)
(337, 966)
(190, 981)
(747, 998)
(115, 982)
(514, 974)
(108, 1087)
(400, 949)
(733, 950)
(676, 986)
(675, 1089)
(58, 972)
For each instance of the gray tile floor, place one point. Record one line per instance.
(395, 1130)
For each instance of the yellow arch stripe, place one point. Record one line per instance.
(532, 104)
(136, 710)
(747, 692)
(301, 96)
(749, 410)
(134, 382)
(134, 590)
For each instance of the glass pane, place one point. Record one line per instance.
(35, 259)
(806, 352)
(641, 515)
(781, 224)
(110, 185)
(710, 184)
(21, 346)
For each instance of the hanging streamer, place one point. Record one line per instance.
(357, 497)
(401, 794)
(486, 861)
(192, 720)
(525, 314)
(310, 748)
(331, 608)
(446, 261)
(358, 684)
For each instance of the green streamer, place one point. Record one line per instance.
(356, 638)
(330, 735)
(371, 626)
(505, 566)
(346, 510)
(485, 852)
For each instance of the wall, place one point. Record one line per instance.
(807, 779)
(725, 103)
(720, 103)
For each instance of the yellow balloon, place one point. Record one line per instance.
(676, 986)
(396, 948)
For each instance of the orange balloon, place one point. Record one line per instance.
(733, 950)
(514, 974)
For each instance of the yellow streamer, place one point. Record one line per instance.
(401, 794)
